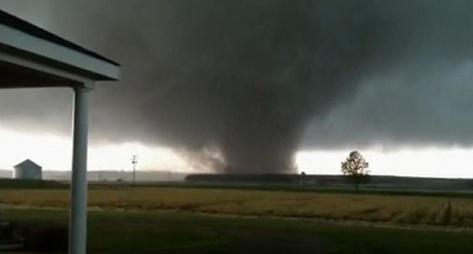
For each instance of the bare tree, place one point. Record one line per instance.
(355, 167)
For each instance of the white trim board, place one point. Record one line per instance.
(31, 44)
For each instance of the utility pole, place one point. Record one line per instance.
(134, 161)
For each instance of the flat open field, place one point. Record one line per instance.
(126, 219)
(398, 209)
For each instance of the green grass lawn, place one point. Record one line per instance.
(184, 232)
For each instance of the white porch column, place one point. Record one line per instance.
(78, 207)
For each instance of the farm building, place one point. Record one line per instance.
(27, 170)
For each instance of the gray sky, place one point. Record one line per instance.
(257, 80)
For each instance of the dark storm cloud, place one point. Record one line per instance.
(402, 108)
(423, 97)
(236, 84)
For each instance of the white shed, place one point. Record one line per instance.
(27, 170)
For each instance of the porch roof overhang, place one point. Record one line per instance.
(33, 57)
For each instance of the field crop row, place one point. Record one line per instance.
(399, 209)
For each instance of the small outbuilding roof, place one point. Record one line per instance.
(27, 162)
